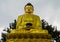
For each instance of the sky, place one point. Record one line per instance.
(46, 9)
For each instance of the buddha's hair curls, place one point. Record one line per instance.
(28, 4)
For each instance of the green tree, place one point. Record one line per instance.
(7, 30)
(13, 25)
(54, 32)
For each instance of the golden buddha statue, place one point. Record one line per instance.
(28, 28)
(29, 18)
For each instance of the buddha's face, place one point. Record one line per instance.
(29, 9)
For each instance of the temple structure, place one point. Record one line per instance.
(28, 28)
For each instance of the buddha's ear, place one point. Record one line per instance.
(33, 9)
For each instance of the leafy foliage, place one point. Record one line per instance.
(13, 25)
(52, 30)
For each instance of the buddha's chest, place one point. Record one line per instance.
(28, 18)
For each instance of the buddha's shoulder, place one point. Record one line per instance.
(36, 16)
(25, 15)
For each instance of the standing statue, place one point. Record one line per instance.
(28, 19)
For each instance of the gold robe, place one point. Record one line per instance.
(29, 18)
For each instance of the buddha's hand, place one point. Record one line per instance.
(28, 28)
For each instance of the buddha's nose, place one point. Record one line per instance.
(28, 9)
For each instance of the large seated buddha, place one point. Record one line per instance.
(28, 18)
(28, 28)
(29, 21)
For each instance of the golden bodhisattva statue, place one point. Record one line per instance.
(28, 28)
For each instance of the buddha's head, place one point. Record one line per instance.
(28, 8)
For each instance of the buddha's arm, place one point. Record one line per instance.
(19, 20)
(38, 23)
